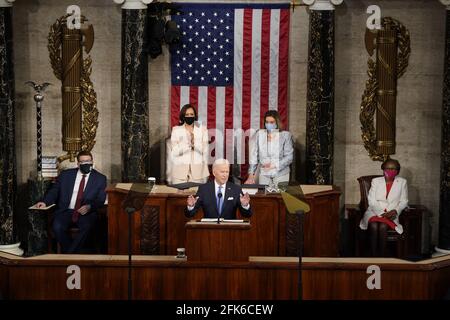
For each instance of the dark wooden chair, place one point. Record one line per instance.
(401, 246)
(97, 240)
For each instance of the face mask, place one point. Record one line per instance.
(390, 174)
(189, 120)
(85, 168)
(270, 126)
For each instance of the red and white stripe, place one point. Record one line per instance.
(261, 50)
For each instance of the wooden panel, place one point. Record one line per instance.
(322, 225)
(117, 223)
(409, 244)
(105, 277)
(157, 206)
(411, 220)
(4, 281)
(268, 219)
(219, 242)
(264, 234)
(175, 222)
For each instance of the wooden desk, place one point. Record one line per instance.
(410, 244)
(209, 241)
(159, 227)
(260, 278)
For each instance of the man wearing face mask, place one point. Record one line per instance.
(388, 196)
(271, 152)
(188, 157)
(77, 193)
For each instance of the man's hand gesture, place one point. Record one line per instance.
(245, 199)
(191, 201)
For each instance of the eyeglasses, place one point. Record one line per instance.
(85, 162)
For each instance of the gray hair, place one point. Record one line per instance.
(219, 162)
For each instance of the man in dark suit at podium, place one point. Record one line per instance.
(77, 193)
(219, 198)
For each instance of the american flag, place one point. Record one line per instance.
(232, 64)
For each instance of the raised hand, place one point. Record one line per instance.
(245, 199)
(191, 201)
(250, 179)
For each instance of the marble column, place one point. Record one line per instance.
(444, 205)
(36, 229)
(134, 106)
(8, 178)
(320, 92)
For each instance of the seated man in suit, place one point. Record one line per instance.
(78, 193)
(219, 197)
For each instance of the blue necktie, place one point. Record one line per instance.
(219, 201)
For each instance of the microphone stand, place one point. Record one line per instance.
(300, 215)
(133, 202)
(129, 211)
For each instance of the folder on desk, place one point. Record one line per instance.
(253, 186)
(222, 220)
(185, 185)
(34, 207)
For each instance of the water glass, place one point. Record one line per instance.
(151, 183)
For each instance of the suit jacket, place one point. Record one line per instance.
(182, 157)
(61, 191)
(281, 153)
(207, 201)
(396, 200)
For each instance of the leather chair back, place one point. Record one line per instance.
(364, 186)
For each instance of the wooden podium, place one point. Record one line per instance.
(214, 242)
(160, 227)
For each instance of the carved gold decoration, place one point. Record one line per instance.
(79, 100)
(90, 111)
(393, 50)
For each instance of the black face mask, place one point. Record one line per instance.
(189, 120)
(85, 168)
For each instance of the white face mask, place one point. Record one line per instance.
(270, 126)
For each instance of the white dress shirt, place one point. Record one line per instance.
(73, 200)
(216, 191)
(216, 188)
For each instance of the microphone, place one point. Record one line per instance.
(219, 195)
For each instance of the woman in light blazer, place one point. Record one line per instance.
(188, 149)
(271, 153)
(388, 196)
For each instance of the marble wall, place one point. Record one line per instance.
(419, 99)
(418, 105)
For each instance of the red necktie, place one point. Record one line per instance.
(76, 214)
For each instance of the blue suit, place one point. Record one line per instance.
(61, 193)
(208, 202)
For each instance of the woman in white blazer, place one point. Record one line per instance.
(188, 154)
(388, 196)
